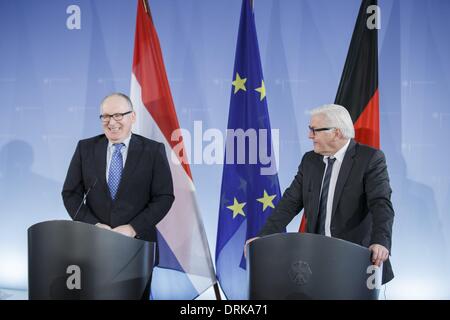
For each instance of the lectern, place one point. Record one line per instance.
(75, 260)
(310, 266)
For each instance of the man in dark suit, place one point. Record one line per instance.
(343, 187)
(126, 177)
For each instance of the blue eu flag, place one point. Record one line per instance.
(250, 188)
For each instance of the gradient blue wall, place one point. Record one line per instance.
(52, 80)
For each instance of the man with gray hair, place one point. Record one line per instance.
(119, 181)
(343, 187)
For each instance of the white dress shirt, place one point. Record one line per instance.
(333, 179)
(123, 151)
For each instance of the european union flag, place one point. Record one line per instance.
(250, 188)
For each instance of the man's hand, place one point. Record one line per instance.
(379, 254)
(103, 226)
(126, 230)
(246, 243)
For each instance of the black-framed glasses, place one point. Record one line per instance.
(314, 130)
(115, 116)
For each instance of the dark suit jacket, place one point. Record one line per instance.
(145, 193)
(362, 210)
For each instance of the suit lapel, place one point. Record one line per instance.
(316, 181)
(133, 156)
(346, 167)
(100, 151)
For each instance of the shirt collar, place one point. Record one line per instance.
(339, 155)
(126, 142)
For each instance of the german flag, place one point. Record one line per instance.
(358, 89)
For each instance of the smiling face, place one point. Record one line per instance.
(117, 131)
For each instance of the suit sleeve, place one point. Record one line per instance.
(74, 190)
(161, 197)
(378, 192)
(289, 206)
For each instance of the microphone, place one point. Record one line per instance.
(84, 198)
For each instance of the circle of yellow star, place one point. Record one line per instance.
(266, 200)
(262, 91)
(239, 84)
(237, 208)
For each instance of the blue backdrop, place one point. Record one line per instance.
(52, 79)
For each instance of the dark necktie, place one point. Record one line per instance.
(115, 170)
(324, 197)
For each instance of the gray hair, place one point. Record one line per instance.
(118, 94)
(336, 116)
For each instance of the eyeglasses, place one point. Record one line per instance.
(314, 130)
(116, 116)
